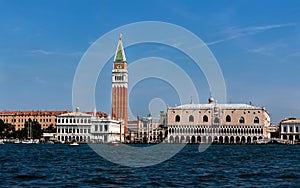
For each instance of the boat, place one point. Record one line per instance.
(29, 142)
(1, 142)
(74, 144)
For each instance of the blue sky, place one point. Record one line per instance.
(257, 44)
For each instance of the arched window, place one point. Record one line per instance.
(205, 118)
(177, 118)
(242, 120)
(228, 118)
(256, 120)
(58, 121)
(191, 118)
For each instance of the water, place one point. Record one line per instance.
(218, 166)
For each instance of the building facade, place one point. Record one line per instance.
(289, 129)
(120, 86)
(18, 118)
(83, 127)
(219, 123)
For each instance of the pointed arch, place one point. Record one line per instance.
(242, 120)
(191, 118)
(177, 118)
(205, 118)
(228, 118)
(256, 120)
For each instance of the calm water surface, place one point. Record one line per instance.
(218, 166)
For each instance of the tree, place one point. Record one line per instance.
(6, 129)
(2, 128)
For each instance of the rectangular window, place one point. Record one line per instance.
(291, 129)
(101, 128)
(284, 129)
(66, 130)
(84, 130)
(89, 130)
(297, 129)
(58, 130)
(105, 128)
(62, 130)
(96, 127)
(81, 131)
(77, 130)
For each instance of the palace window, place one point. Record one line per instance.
(191, 118)
(205, 118)
(177, 118)
(228, 118)
(256, 120)
(242, 120)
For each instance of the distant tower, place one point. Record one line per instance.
(120, 86)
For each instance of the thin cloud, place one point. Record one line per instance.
(270, 49)
(45, 52)
(240, 32)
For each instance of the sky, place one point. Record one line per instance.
(256, 43)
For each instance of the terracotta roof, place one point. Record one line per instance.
(32, 112)
(45, 112)
(291, 121)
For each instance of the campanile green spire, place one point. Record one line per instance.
(120, 54)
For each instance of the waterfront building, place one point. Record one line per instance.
(106, 130)
(83, 127)
(45, 118)
(289, 129)
(220, 123)
(146, 129)
(18, 118)
(273, 131)
(120, 86)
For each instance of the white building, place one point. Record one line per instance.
(289, 129)
(106, 130)
(83, 127)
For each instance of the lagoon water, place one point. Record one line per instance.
(220, 165)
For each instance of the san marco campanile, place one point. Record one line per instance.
(120, 86)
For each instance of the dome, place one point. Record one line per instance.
(211, 100)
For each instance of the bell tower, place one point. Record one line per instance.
(120, 86)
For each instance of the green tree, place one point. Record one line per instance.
(2, 128)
